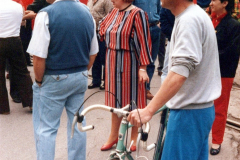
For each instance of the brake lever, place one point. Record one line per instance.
(75, 119)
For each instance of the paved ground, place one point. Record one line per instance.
(17, 143)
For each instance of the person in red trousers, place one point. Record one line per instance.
(228, 38)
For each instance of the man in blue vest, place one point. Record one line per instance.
(152, 7)
(64, 46)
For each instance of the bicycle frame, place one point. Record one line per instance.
(121, 151)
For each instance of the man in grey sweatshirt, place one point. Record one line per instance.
(192, 84)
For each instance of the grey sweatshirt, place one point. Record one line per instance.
(194, 54)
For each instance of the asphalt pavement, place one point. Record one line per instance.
(17, 141)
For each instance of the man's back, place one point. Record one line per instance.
(10, 18)
(64, 46)
(71, 30)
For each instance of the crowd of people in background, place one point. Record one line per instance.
(197, 47)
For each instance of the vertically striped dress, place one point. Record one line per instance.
(128, 45)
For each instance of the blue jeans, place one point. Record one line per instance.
(187, 134)
(98, 63)
(49, 100)
(155, 32)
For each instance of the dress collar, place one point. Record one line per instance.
(216, 20)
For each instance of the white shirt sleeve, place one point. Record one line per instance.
(40, 40)
(94, 44)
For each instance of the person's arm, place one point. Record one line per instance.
(168, 89)
(142, 74)
(91, 61)
(186, 55)
(29, 15)
(94, 47)
(38, 46)
(39, 68)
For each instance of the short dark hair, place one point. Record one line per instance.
(229, 6)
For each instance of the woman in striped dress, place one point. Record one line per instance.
(126, 32)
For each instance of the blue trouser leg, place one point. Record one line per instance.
(187, 134)
(49, 100)
(77, 144)
(155, 32)
(97, 70)
(99, 61)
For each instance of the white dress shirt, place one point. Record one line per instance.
(11, 14)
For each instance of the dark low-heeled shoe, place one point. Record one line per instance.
(102, 87)
(17, 100)
(215, 151)
(92, 85)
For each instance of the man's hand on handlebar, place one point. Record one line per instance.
(134, 119)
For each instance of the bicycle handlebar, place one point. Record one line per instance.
(123, 112)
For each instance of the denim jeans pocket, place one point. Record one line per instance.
(35, 85)
(59, 77)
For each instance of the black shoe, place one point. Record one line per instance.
(91, 86)
(102, 87)
(215, 151)
(17, 100)
(159, 73)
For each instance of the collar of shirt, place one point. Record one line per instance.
(216, 20)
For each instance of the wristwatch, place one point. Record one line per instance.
(39, 82)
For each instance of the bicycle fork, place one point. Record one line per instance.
(121, 152)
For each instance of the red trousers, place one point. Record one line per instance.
(221, 109)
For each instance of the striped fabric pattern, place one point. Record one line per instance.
(128, 44)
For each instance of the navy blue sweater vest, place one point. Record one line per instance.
(71, 30)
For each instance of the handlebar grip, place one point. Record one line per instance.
(148, 148)
(86, 128)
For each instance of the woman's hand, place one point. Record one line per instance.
(29, 15)
(142, 74)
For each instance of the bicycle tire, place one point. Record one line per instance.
(161, 135)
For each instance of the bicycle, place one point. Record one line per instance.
(121, 151)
